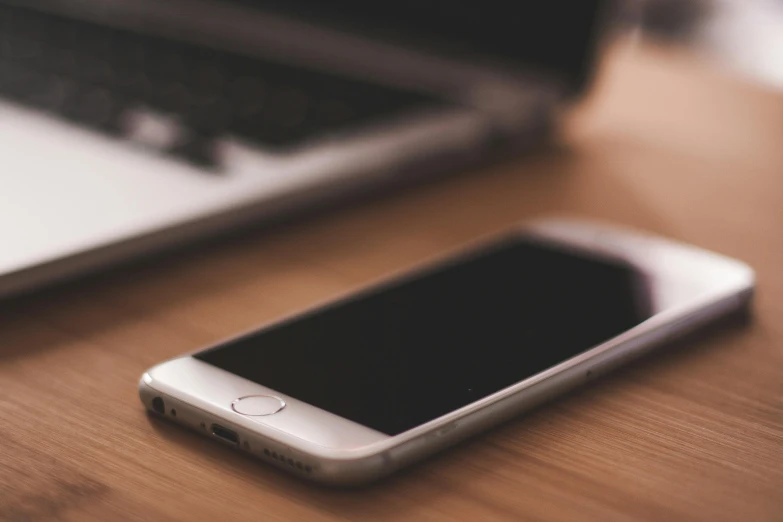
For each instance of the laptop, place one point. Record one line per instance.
(130, 126)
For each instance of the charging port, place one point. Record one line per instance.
(225, 434)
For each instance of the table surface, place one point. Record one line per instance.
(694, 432)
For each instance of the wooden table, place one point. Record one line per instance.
(692, 433)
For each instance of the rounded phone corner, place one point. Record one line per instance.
(143, 386)
(146, 391)
(745, 274)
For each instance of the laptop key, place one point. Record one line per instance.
(199, 149)
(16, 81)
(53, 93)
(97, 108)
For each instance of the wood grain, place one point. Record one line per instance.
(692, 433)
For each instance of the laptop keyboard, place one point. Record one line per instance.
(99, 77)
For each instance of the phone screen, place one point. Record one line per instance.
(413, 350)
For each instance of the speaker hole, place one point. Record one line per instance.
(291, 462)
(173, 412)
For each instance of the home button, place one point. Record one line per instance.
(258, 405)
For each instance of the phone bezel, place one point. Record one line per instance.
(339, 450)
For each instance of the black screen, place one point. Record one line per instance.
(553, 36)
(414, 350)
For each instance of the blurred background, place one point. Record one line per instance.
(744, 35)
(243, 109)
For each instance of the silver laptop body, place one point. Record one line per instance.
(129, 126)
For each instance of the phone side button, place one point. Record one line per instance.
(446, 429)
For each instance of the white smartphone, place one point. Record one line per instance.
(354, 389)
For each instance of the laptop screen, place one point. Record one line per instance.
(554, 36)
